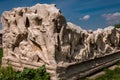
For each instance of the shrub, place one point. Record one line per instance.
(1, 54)
(27, 74)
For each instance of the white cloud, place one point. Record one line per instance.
(112, 18)
(86, 17)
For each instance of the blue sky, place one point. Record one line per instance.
(88, 14)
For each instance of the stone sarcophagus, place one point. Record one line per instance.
(39, 35)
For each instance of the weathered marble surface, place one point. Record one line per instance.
(40, 34)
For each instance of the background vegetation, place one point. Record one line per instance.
(1, 54)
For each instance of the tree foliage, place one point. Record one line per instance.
(117, 25)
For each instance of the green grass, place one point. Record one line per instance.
(110, 75)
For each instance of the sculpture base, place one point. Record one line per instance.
(79, 70)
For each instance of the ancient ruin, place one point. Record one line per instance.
(38, 35)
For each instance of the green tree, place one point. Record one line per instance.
(117, 25)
